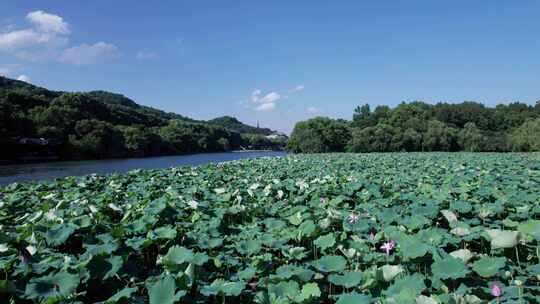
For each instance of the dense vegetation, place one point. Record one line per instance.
(100, 124)
(233, 124)
(351, 228)
(419, 126)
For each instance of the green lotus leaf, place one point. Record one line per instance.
(488, 266)
(166, 232)
(389, 272)
(247, 273)
(461, 206)
(200, 258)
(307, 228)
(325, 241)
(412, 247)
(249, 247)
(58, 234)
(530, 227)
(222, 287)
(289, 289)
(354, 298)
(295, 253)
(534, 269)
(296, 219)
(310, 290)
(59, 285)
(449, 268)
(408, 286)
(330, 263)
(162, 291)
(288, 271)
(103, 268)
(425, 300)
(106, 246)
(415, 222)
(176, 256)
(347, 280)
(120, 295)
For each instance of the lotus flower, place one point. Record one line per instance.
(322, 200)
(388, 246)
(353, 218)
(371, 236)
(496, 290)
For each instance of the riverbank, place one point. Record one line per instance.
(51, 170)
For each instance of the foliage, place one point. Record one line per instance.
(319, 135)
(101, 124)
(233, 124)
(526, 137)
(419, 126)
(296, 229)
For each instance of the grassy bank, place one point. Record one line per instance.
(399, 228)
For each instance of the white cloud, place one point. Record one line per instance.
(24, 78)
(268, 102)
(88, 54)
(255, 95)
(47, 39)
(270, 98)
(48, 23)
(266, 107)
(143, 55)
(48, 32)
(313, 110)
(297, 89)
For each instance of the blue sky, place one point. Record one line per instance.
(277, 61)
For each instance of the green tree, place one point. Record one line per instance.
(526, 137)
(319, 135)
(97, 139)
(439, 137)
(471, 138)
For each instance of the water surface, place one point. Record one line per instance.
(45, 171)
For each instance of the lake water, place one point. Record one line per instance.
(43, 171)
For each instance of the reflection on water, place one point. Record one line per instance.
(42, 171)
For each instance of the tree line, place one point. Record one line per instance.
(100, 124)
(419, 126)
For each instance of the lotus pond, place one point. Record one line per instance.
(338, 228)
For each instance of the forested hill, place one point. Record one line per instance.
(419, 126)
(101, 124)
(234, 124)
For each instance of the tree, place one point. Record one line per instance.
(97, 139)
(439, 137)
(361, 116)
(526, 137)
(319, 135)
(470, 138)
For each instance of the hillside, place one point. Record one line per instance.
(100, 124)
(234, 124)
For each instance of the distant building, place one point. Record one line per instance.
(277, 135)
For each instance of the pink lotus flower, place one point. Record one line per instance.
(496, 290)
(388, 246)
(322, 200)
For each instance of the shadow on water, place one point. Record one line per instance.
(46, 171)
